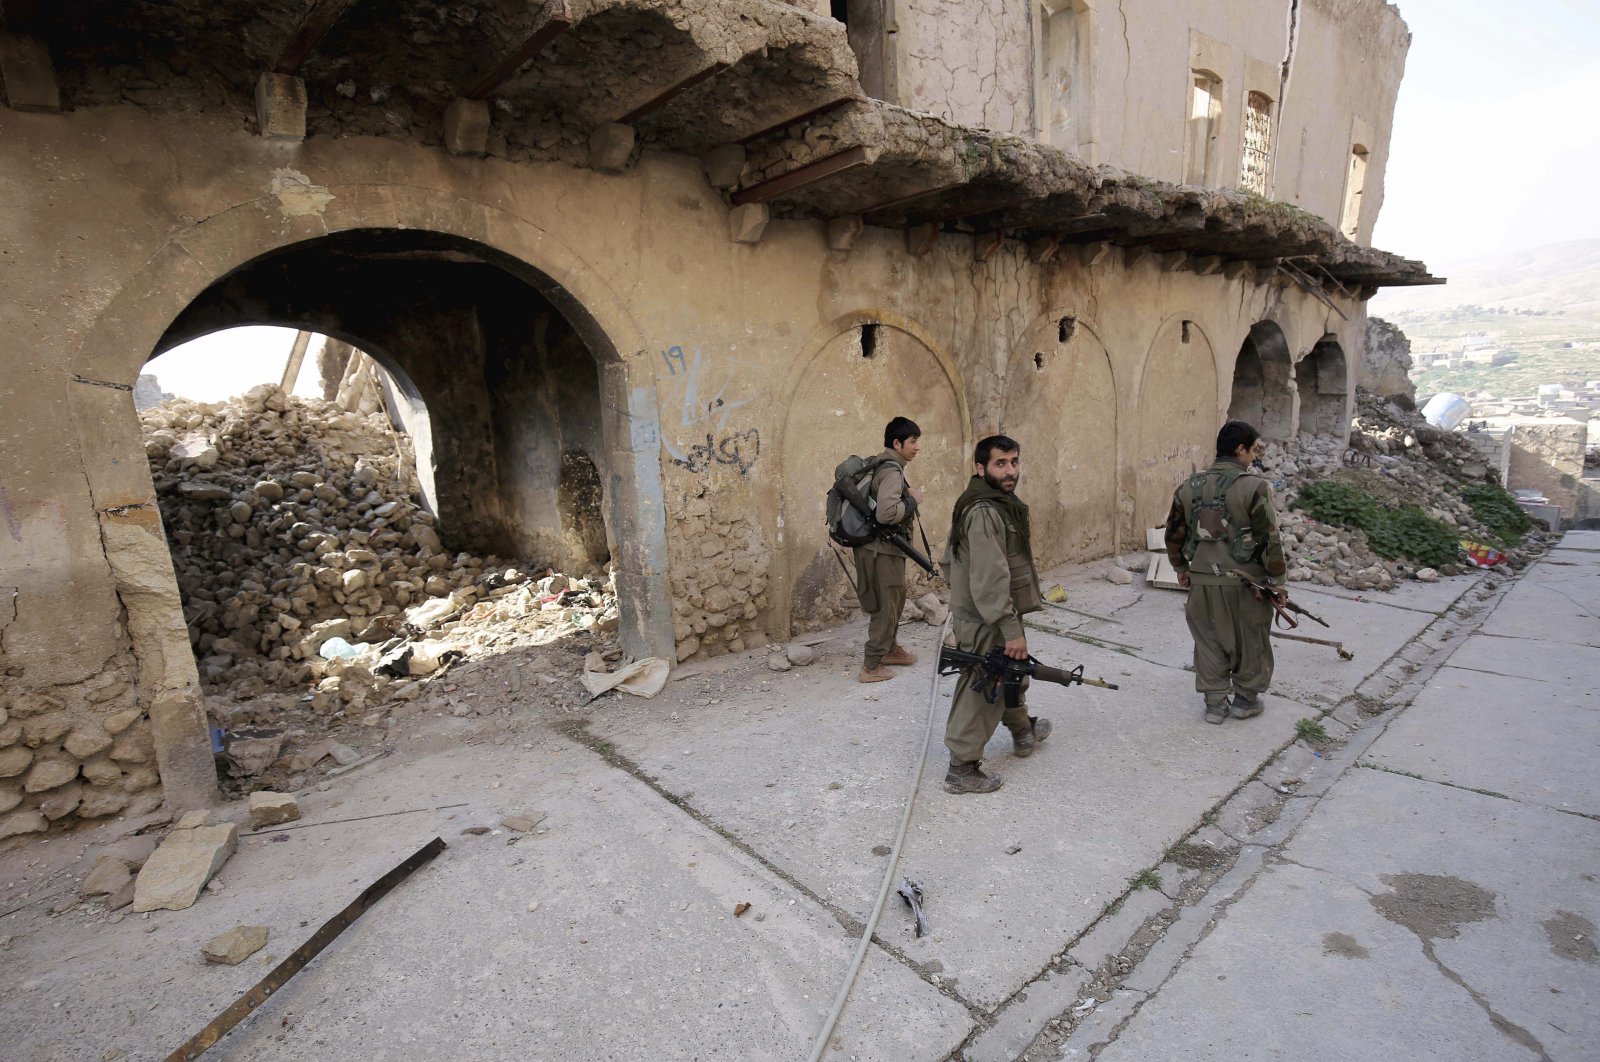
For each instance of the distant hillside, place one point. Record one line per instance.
(1542, 303)
(1557, 276)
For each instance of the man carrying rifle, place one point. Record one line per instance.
(1223, 525)
(989, 563)
(881, 566)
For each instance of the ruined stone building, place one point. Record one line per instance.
(705, 247)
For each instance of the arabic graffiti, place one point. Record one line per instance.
(738, 450)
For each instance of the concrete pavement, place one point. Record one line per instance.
(1092, 906)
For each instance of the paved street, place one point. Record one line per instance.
(1421, 882)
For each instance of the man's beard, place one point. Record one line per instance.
(1000, 484)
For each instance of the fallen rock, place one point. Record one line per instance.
(193, 820)
(524, 822)
(1118, 576)
(108, 875)
(270, 809)
(800, 655)
(1427, 575)
(778, 662)
(176, 872)
(934, 612)
(235, 946)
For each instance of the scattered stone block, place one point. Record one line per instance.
(466, 127)
(29, 75)
(107, 877)
(1427, 575)
(523, 822)
(235, 946)
(610, 147)
(1118, 576)
(724, 165)
(270, 809)
(193, 820)
(747, 223)
(800, 655)
(281, 106)
(778, 662)
(176, 872)
(22, 822)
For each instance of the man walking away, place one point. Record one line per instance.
(1223, 520)
(989, 563)
(880, 567)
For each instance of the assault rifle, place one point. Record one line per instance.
(860, 503)
(1283, 608)
(1001, 673)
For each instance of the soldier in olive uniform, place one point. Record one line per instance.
(880, 567)
(989, 563)
(1223, 519)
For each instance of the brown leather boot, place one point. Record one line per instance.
(900, 656)
(1026, 740)
(969, 778)
(874, 674)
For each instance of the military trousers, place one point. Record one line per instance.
(881, 589)
(1232, 640)
(973, 719)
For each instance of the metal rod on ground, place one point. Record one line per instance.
(297, 355)
(821, 1044)
(241, 1008)
(1081, 612)
(1344, 654)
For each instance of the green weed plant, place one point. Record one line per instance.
(1496, 508)
(1394, 531)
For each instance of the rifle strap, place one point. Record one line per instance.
(927, 550)
(838, 555)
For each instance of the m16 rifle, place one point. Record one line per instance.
(1003, 674)
(1286, 610)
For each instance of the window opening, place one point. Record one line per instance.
(1354, 184)
(1065, 327)
(1038, 361)
(1257, 154)
(869, 340)
(1186, 326)
(1205, 113)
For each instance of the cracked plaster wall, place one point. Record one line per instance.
(973, 63)
(732, 360)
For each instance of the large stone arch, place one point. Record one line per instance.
(1179, 412)
(862, 369)
(1322, 380)
(1060, 403)
(137, 316)
(1262, 394)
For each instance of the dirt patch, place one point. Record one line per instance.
(1433, 906)
(1343, 945)
(1572, 937)
(1198, 856)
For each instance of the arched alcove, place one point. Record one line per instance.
(1322, 381)
(1176, 429)
(861, 378)
(1261, 393)
(1061, 405)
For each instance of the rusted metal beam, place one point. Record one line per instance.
(814, 112)
(552, 22)
(314, 25)
(803, 176)
(906, 200)
(671, 92)
(245, 1004)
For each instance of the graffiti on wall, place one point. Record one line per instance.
(706, 400)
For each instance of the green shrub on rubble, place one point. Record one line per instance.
(1393, 531)
(1496, 508)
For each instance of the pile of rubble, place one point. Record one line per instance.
(313, 580)
(1398, 457)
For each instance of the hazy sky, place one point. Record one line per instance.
(1497, 131)
(232, 361)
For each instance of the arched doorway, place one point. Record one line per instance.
(1176, 430)
(1320, 377)
(1061, 405)
(862, 377)
(511, 390)
(1261, 394)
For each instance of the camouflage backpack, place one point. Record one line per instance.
(850, 501)
(1209, 521)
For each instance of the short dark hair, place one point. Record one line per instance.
(986, 447)
(1234, 434)
(899, 430)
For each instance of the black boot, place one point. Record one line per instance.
(1245, 705)
(969, 778)
(1026, 739)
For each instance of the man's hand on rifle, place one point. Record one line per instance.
(1280, 594)
(1017, 648)
(1183, 579)
(915, 494)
